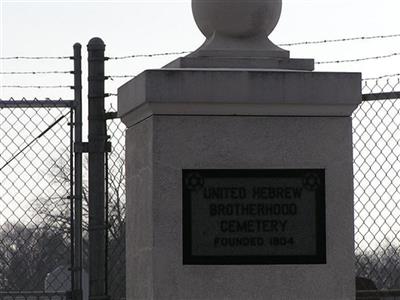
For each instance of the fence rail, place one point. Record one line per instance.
(381, 96)
(35, 103)
(33, 295)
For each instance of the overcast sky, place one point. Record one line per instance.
(141, 27)
(50, 28)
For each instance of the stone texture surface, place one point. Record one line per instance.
(238, 92)
(139, 222)
(242, 62)
(159, 147)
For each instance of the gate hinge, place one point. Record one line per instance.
(94, 147)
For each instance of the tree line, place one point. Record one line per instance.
(31, 248)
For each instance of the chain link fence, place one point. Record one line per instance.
(376, 138)
(35, 147)
(116, 210)
(35, 197)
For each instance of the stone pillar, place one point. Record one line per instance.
(239, 168)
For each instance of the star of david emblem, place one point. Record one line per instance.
(311, 182)
(194, 182)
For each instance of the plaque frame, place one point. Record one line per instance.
(320, 240)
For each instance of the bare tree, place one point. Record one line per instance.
(56, 212)
(27, 254)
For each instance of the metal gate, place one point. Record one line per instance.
(39, 204)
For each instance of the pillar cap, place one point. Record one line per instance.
(236, 33)
(227, 92)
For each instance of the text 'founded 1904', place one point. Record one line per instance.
(254, 216)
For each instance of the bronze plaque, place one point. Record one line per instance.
(272, 216)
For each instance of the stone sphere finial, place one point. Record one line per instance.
(238, 27)
(236, 18)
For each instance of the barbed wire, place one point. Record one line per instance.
(146, 55)
(36, 72)
(37, 86)
(284, 44)
(183, 52)
(341, 40)
(186, 52)
(111, 77)
(382, 77)
(111, 95)
(11, 99)
(357, 59)
(36, 57)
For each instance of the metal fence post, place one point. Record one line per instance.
(96, 148)
(77, 263)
